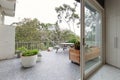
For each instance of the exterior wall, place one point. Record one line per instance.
(7, 42)
(7, 36)
(0, 18)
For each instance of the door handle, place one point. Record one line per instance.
(83, 41)
(115, 42)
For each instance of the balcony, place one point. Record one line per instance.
(53, 66)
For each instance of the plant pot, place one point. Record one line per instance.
(19, 54)
(74, 55)
(39, 57)
(28, 61)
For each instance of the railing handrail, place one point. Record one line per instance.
(36, 44)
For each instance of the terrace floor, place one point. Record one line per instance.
(53, 66)
(106, 72)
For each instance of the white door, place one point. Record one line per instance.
(92, 37)
(111, 34)
(111, 38)
(118, 41)
(118, 31)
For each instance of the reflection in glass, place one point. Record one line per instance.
(93, 41)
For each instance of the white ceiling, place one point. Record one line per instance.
(8, 7)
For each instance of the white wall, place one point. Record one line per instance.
(112, 8)
(7, 42)
(0, 18)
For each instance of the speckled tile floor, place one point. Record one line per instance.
(53, 66)
(106, 72)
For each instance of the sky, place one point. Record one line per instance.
(43, 10)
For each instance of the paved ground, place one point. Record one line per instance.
(53, 66)
(106, 72)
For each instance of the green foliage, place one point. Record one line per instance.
(26, 52)
(28, 30)
(68, 35)
(30, 53)
(73, 40)
(22, 49)
(77, 45)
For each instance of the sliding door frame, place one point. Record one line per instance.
(82, 58)
(82, 63)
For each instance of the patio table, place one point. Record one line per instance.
(63, 46)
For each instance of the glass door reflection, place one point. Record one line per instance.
(93, 37)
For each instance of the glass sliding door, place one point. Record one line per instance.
(92, 38)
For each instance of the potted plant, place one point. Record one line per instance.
(77, 45)
(91, 52)
(74, 53)
(29, 57)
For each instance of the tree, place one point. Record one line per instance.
(45, 31)
(68, 35)
(67, 14)
(90, 22)
(28, 30)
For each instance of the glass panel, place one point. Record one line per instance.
(93, 37)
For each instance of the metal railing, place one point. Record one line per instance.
(41, 45)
